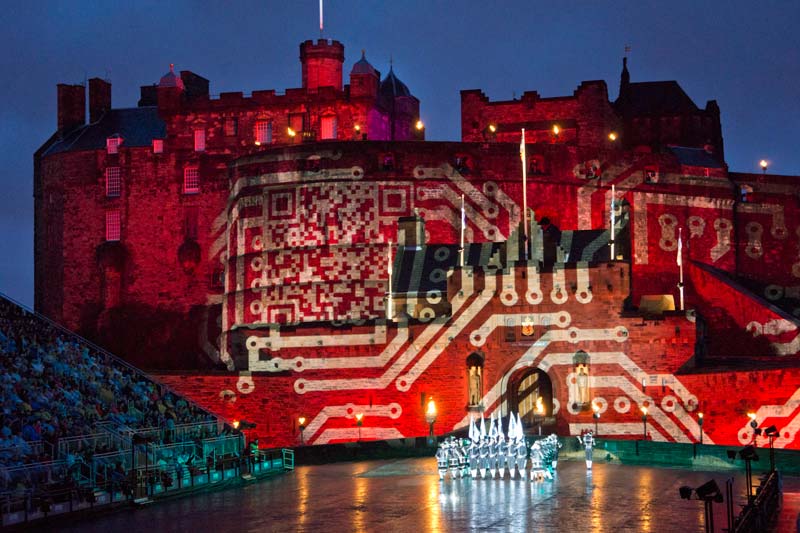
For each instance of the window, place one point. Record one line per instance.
(745, 191)
(112, 144)
(113, 225)
(199, 140)
(113, 182)
(190, 223)
(191, 181)
(263, 132)
(328, 128)
(231, 126)
(158, 146)
(296, 122)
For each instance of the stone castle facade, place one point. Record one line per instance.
(298, 255)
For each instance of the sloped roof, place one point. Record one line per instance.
(392, 86)
(137, 126)
(362, 66)
(655, 98)
(695, 157)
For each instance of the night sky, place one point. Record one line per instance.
(744, 54)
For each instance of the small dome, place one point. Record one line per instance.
(170, 79)
(392, 87)
(363, 66)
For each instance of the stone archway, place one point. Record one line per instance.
(524, 389)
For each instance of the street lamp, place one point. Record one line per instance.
(430, 418)
(596, 416)
(754, 425)
(700, 423)
(644, 422)
(556, 131)
(302, 423)
(359, 423)
(763, 163)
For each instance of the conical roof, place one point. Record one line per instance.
(170, 79)
(362, 66)
(391, 86)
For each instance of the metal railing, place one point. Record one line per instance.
(32, 474)
(757, 516)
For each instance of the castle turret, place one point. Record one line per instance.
(403, 108)
(322, 64)
(364, 79)
(170, 90)
(624, 80)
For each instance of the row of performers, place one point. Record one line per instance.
(491, 456)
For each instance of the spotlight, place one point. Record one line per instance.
(771, 431)
(709, 491)
(612, 136)
(748, 453)
(686, 492)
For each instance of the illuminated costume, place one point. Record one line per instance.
(454, 458)
(463, 458)
(502, 454)
(484, 455)
(441, 459)
(537, 458)
(588, 443)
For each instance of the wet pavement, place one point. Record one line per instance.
(406, 495)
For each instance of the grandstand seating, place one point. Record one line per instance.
(81, 427)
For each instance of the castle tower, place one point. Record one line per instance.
(364, 79)
(322, 64)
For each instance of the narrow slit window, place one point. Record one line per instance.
(199, 140)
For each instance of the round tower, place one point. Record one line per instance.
(322, 64)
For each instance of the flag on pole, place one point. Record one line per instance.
(482, 433)
(680, 249)
(523, 157)
(471, 432)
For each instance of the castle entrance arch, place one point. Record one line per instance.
(526, 389)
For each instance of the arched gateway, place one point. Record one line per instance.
(526, 388)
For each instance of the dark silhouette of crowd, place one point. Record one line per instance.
(54, 386)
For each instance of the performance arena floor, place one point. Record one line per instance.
(406, 496)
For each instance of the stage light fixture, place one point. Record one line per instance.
(731, 454)
(748, 453)
(686, 492)
(709, 491)
(771, 431)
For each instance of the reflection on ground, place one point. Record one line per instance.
(406, 495)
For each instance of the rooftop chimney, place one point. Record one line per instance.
(71, 106)
(99, 98)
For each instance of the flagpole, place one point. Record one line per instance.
(613, 196)
(463, 224)
(389, 310)
(680, 265)
(320, 18)
(523, 155)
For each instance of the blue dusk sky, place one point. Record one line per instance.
(744, 54)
